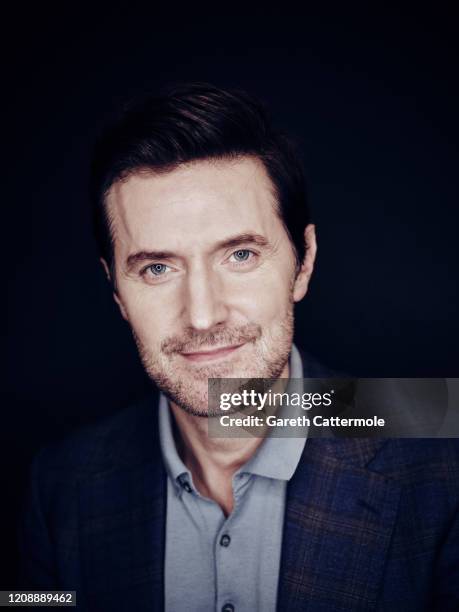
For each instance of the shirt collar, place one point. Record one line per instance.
(278, 457)
(175, 467)
(275, 457)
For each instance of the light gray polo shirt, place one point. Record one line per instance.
(213, 563)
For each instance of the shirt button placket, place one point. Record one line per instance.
(224, 542)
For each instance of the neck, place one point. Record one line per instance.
(212, 461)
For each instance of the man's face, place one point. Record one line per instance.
(205, 275)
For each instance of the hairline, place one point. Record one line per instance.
(167, 169)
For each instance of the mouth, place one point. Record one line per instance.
(211, 355)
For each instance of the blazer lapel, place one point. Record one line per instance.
(122, 513)
(338, 524)
(122, 538)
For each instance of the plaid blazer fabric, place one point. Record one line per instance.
(369, 524)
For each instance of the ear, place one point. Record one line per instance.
(116, 297)
(106, 269)
(302, 279)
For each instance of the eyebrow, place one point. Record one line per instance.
(247, 238)
(227, 243)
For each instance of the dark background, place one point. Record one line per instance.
(371, 98)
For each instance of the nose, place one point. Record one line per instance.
(204, 301)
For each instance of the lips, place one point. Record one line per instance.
(211, 355)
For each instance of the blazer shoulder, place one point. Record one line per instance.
(123, 438)
(420, 459)
(313, 368)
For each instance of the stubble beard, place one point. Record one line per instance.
(266, 354)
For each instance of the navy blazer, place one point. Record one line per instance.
(369, 525)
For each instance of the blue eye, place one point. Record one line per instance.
(157, 269)
(242, 254)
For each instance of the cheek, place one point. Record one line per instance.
(149, 314)
(264, 300)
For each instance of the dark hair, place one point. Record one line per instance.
(195, 122)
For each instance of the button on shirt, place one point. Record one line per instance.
(213, 562)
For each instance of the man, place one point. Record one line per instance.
(201, 216)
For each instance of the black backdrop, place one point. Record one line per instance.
(371, 98)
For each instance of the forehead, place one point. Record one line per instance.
(197, 203)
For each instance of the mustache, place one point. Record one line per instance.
(192, 340)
